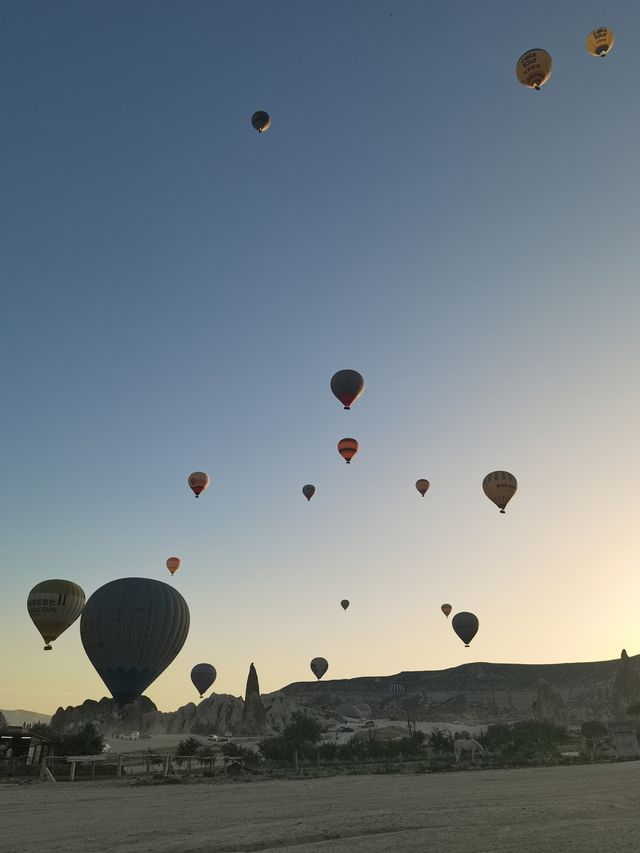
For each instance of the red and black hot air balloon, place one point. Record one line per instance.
(347, 448)
(347, 386)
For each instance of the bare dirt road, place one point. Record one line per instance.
(591, 809)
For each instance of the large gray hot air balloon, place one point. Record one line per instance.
(466, 626)
(131, 630)
(202, 677)
(319, 666)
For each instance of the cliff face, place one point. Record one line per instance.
(489, 692)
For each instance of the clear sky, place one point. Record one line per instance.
(178, 291)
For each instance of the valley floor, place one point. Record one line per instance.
(585, 808)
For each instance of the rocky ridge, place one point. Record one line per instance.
(474, 693)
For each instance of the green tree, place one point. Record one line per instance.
(301, 735)
(86, 741)
(188, 747)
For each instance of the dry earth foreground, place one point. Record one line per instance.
(587, 808)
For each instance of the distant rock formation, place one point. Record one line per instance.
(626, 688)
(254, 718)
(107, 716)
(219, 714)
(474, 693)
(549, 706)
(481, 693)
(3, 721)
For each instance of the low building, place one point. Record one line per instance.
(16, 742)
(625, 740)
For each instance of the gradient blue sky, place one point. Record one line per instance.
(178, 291)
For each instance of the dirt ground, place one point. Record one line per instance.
(589, 808)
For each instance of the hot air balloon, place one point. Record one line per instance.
(54, 605)
(173, 564)
(198, 482)
(533, 69)
(261, 121)
(344, 603)
(600, 41)
(131, 630)
(318, 667)
(422, 486)
(446, 609)
(500, 487)
(202, 677)
(347, 448)
(396, 690)
(347, 386)
(308, 491)
(466, 626)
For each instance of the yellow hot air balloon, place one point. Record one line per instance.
(54, 605)
(173, 564)
(600, 41)
(500, 487)
(533, 69)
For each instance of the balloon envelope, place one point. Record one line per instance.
(600, 41)
(347, 386)
(396, 690)
(347, 448)
(319, 666)
(422, 486)
(173, 564)
(53, 606)
(202, 677)
(308, 491)
(131, 630)
(198, 482)
(533, 69)
(466, 626)
(500, 487)
(261, 121)
(446, 609)
(344, 603)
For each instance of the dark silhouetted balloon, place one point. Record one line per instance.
(173, 564)
(198, 482)
(347, 448)
(261, 121)
(466, 626)
(500, 487)
(422, 486)
(396, 690)
(54, 605)
(131, 630)
(344, 603)
(533, 68)
(202, 677)
(308, 491)
(446, 609)
(347, 385)
(318, 667)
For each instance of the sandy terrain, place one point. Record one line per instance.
(591, 809)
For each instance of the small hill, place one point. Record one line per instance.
(18, 717)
